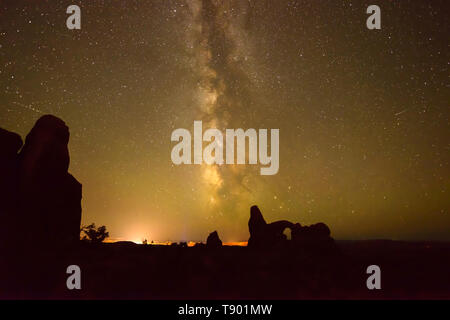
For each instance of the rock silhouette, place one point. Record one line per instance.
(263, 234)
(266, 235)
(315, 237)
(10, 144)
(41, 201)
(213, 240)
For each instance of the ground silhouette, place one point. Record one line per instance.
(40, 212)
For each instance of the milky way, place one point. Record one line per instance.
(221, 57)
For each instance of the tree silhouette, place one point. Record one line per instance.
(93, 234)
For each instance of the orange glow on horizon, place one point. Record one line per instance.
(236, 243)
(168, 243)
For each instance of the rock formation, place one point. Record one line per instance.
(266, 235)
(263, 234)
(213, 240)
(40, 200)
(10, 144)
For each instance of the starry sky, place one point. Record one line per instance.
(363, 114)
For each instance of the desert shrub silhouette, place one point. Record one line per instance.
(93, 234)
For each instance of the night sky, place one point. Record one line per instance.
(363, 114)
